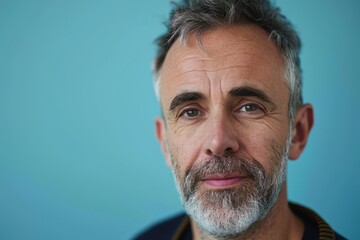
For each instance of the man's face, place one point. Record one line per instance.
(226, 127)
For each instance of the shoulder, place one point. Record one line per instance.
(165, 228)
(315, 226)
(339, 237)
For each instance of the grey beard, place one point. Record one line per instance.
(230, 212)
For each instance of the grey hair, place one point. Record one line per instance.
(198, 16)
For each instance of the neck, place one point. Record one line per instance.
(280, 223)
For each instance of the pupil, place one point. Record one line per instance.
(250, 107)
(191, 113)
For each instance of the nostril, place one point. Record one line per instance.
(209, 152)
(228, 151)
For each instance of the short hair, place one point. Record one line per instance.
(198, 16)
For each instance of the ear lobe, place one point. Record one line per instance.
(160, 129)
(303, 123)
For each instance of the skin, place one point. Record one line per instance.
(229, 96)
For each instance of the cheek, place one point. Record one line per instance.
(265, 145)
(184, 149)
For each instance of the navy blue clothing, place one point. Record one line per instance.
(166, 229)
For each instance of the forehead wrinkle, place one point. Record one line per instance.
(240, 46)
(210, 57)
(185, 59)
(208, 64)
(210, 53)
(207, 71)
(222, 58)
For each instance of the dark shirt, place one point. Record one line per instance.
(178, 227)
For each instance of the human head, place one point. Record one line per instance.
(208, 134)
(198, 16)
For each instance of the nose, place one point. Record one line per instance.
(221, 138)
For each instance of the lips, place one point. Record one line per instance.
(223, 181)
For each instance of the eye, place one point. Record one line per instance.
(190, 113)
(249, 108)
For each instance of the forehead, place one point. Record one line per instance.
(225, 56)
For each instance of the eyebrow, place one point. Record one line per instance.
(250, 92)
(185, 97)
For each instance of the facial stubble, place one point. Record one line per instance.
(230, 212)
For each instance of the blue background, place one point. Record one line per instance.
(78, 156)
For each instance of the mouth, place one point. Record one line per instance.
(223, 181)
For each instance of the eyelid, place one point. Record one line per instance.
(243, 102)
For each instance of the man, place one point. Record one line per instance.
(228, 78)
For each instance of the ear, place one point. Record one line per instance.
(303, 122)
(160, 129)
